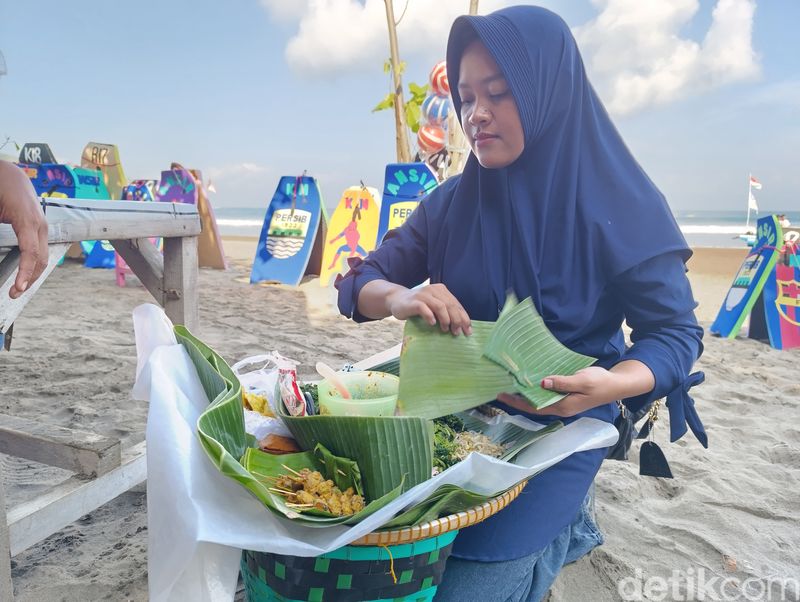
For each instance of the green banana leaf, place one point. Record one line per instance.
(522, 344)
(388, 449)
(263, 466)
(443, 374)
(344, 472)
(446, 500)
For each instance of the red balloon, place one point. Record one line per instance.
(438, 78)
(430, 138)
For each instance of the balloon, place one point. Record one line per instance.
(439, 83)
(430, 138)
(435, 109)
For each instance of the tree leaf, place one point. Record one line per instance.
(386, 103)
(413, 114)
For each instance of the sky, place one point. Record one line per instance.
(704, 92)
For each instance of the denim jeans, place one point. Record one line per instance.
(525, 579)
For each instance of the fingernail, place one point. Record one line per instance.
(547, 383)
(24, 286)
(457, 332)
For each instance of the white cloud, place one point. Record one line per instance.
(346, 35)
(636, 57)
(286, 10)
(633, 49)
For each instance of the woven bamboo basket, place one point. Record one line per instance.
(404, 564)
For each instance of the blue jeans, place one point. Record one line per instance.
(525, 579)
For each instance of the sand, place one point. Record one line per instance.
(732, 510)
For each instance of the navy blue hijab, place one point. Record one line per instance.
(573, 212)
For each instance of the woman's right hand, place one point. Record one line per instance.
(433, 303)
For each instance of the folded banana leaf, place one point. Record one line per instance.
(522, 344)
(446, 500)
(388, 449)
(265, 467)
(443, 374)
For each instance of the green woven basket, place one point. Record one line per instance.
(407, 572)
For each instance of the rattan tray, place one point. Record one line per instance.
(460, 520)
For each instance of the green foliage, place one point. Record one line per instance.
(386, 103)
(413, 103)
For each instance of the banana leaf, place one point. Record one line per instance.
(446, 500)
(443, 374)
(388, 449)
(344, 472)
(522, 344)
(264, 467)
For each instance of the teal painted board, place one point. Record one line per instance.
(750, 279)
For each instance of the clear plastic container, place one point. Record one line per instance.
(374, 394)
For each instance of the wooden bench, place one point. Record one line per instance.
(102, 469)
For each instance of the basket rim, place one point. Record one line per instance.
(459, 520)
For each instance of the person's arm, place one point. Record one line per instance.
(19, 206)
(658, 304)
(383, 284)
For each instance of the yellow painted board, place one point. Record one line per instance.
(352, 231)
(105, 157)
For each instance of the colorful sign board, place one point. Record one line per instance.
(404, 187)
(352, 231)
(750, 279)
(291, 225)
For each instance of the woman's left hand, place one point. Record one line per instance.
(588, 388)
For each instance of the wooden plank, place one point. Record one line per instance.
(34, 520)
(6, 586)
(146, 262)
(11, 308)
(180, 281)
(106, 220)
(85, 453)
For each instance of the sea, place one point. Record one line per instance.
(701, 228)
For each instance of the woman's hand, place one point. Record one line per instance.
(589, 388)
(433, 303)
(19, 206)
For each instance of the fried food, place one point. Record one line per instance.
(257, 403)
(276, 444)
(309, 489)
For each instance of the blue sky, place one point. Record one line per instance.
(704, 91)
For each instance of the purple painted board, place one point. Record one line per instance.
(177, 185)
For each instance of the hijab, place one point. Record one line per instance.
(571, 214)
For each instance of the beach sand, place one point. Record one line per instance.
(732, 510)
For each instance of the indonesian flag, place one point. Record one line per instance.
(751, 202)
(755, 183)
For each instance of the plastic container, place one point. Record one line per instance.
(374, 394)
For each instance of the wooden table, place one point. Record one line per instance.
(102, 469)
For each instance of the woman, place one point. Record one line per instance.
(551, 205)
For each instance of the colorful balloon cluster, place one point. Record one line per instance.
(431, 135)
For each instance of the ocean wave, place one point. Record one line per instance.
(714, 229)
(239, 223)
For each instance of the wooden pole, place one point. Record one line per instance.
(457, 147)
(403, 146)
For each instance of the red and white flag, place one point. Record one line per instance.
(755, 183)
